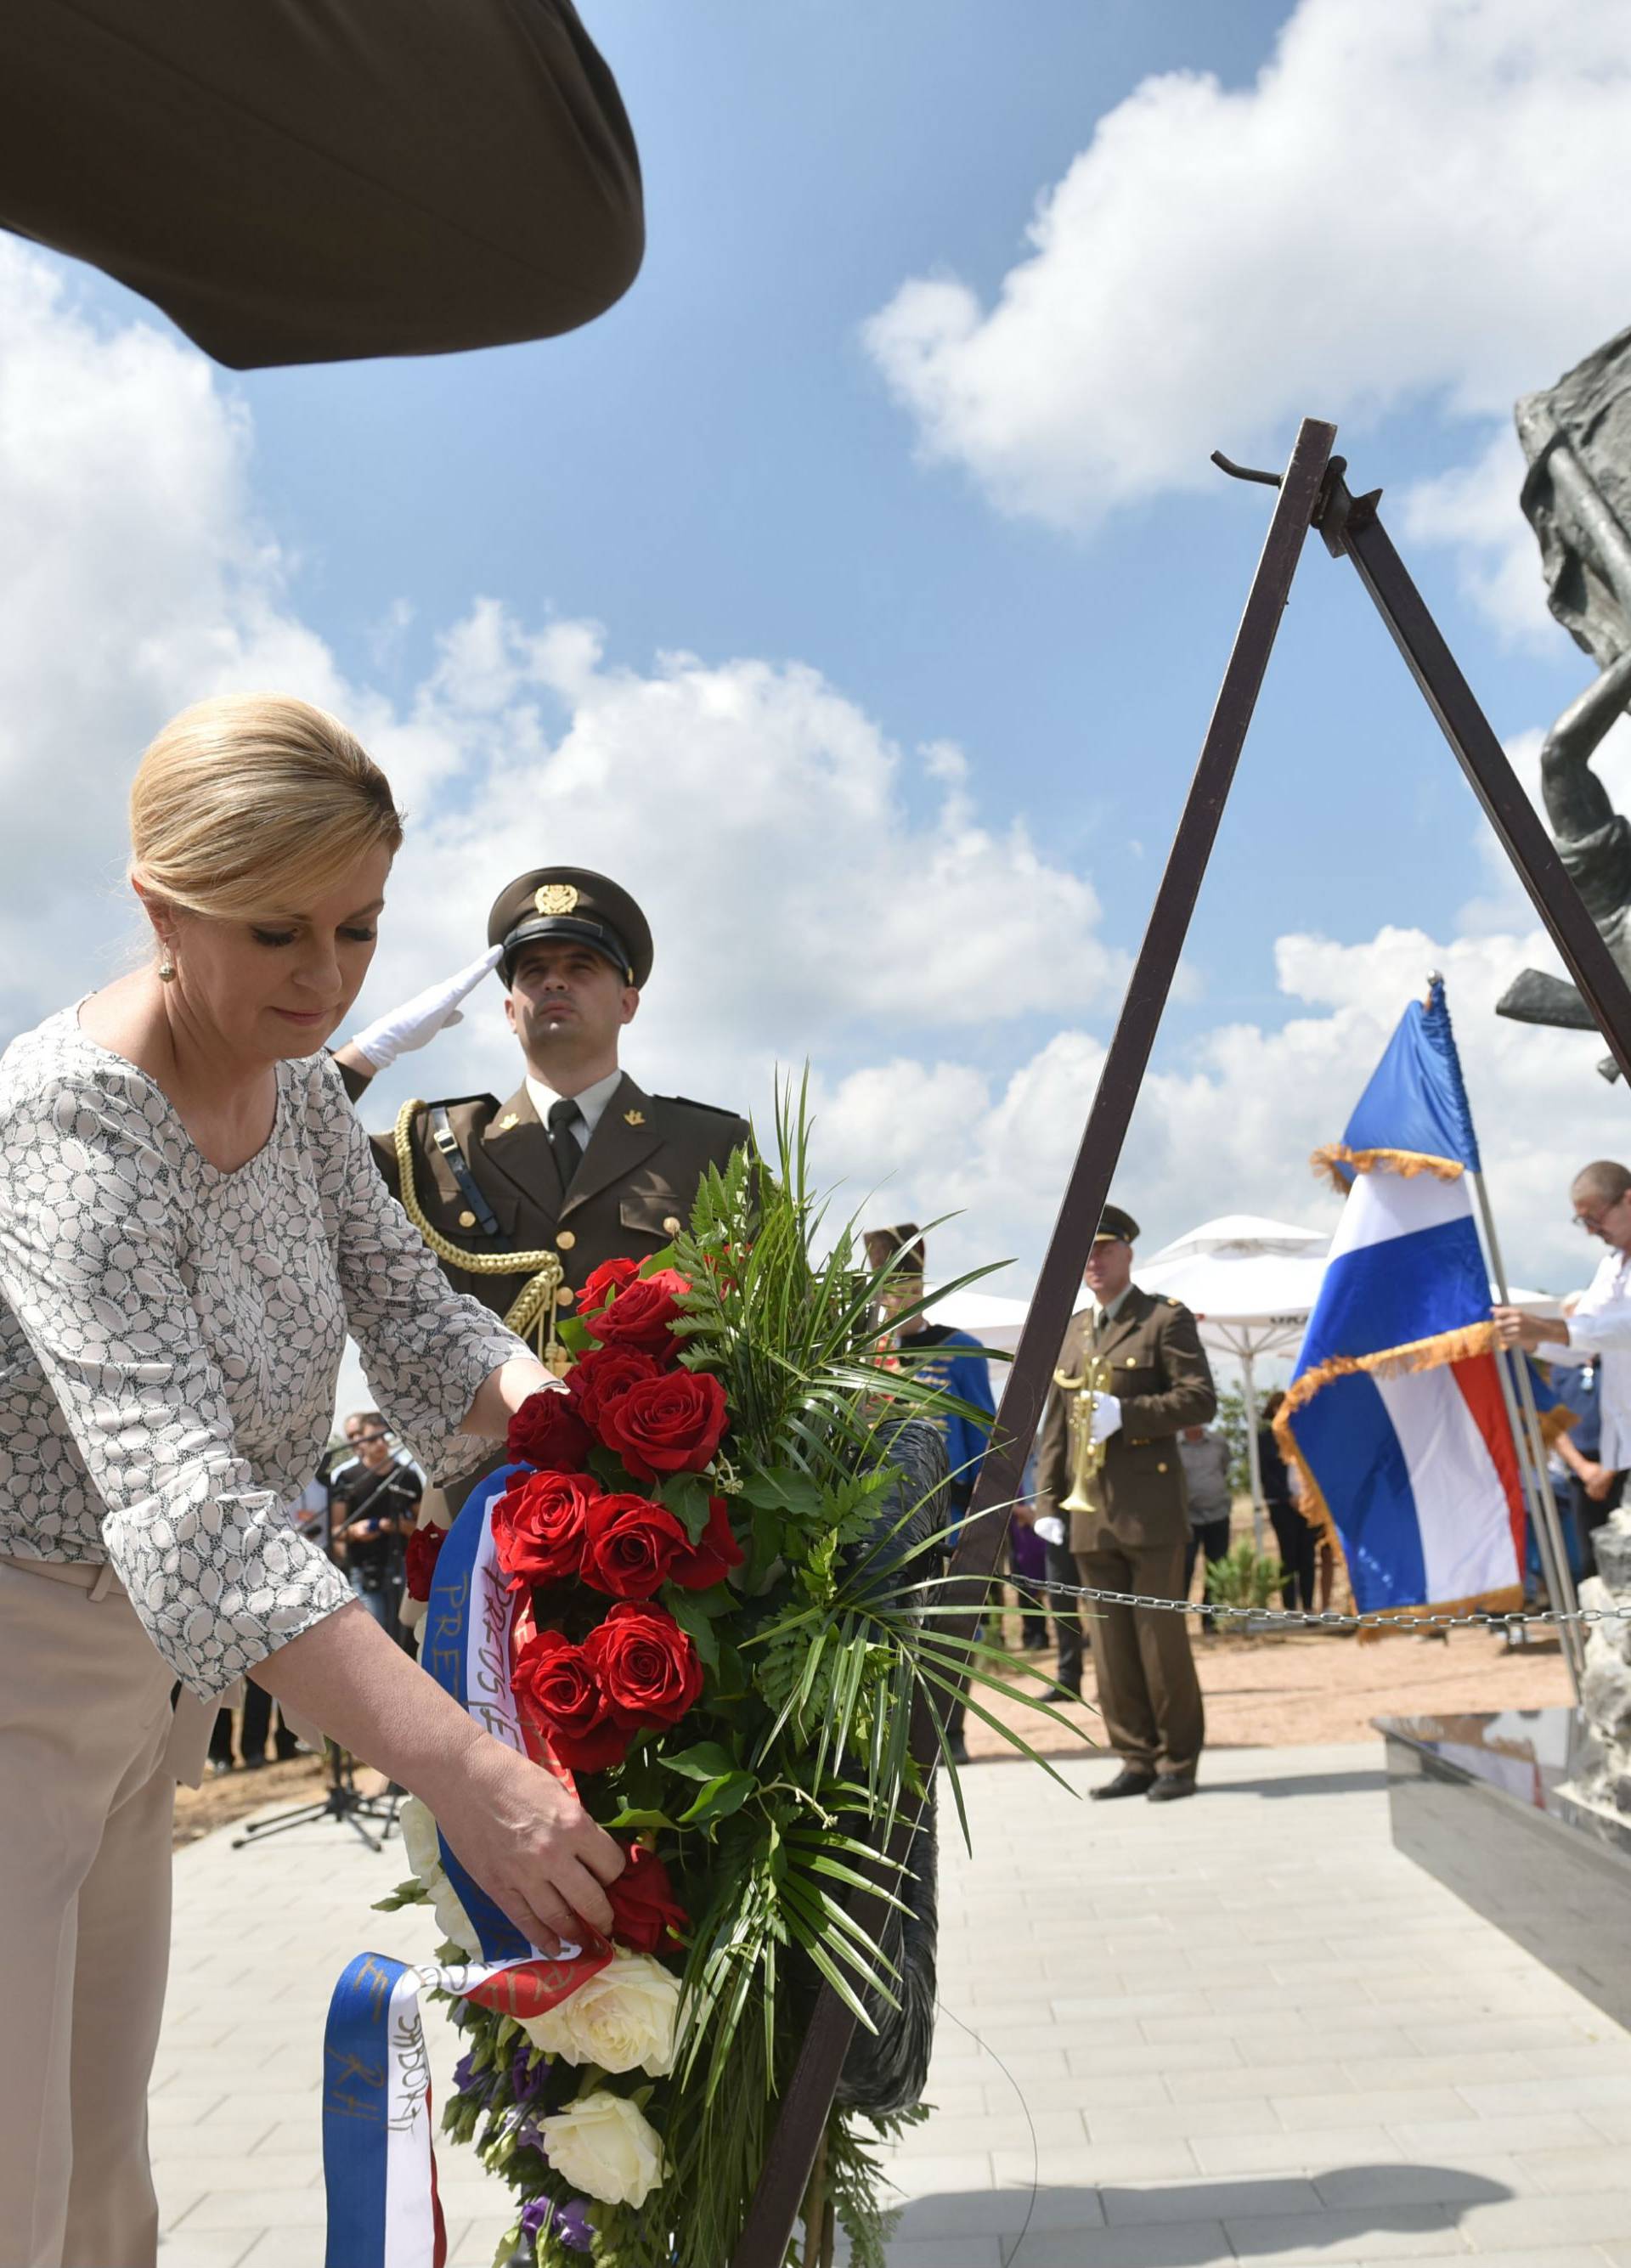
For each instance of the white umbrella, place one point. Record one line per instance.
(1251, 1285)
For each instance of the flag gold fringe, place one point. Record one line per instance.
(1392, 1362)
(1406, 1163)
(1556, 1422)
(1433, 1353)
(1506, 1602)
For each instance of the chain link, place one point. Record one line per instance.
(1479, 1620)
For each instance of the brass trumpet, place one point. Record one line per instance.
(1087, 1455)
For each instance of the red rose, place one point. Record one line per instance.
(671, 1424)
(645, 1665)
(641, 1314)
(644, 1913)
(600, 1283)
(423, 1546)
(701, 1564)
(630, 1544)
(599, 1378)
(554, 1680)
(538, 1526)
(547, 1430)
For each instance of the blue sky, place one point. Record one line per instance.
(716, 466)
(897, 476)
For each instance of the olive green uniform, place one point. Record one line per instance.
(631, 1192)
(1132, 1536)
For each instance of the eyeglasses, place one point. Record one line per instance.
(1592, 1223)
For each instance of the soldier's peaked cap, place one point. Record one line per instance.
(571, 903)
(1115, 1226)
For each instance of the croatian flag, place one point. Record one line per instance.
(1396, 1418)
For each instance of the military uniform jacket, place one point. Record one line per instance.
(1160, 1373)
(633, 1190)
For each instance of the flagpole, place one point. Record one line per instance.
(1254, 1460)
(1548, 1526)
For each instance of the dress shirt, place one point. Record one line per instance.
(1103, 1315)
(1600, 1327)
(591, 1102)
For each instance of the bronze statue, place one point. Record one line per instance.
(1576, 495)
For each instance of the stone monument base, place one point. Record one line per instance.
(1488, 1804)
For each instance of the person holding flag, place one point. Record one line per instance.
(1598, 1329)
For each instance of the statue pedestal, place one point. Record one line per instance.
(1488, 1805)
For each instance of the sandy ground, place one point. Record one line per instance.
(1301, 1690)
(1305, 1688)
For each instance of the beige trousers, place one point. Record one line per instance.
(87, 1787)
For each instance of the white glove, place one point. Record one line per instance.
(420, 1019)
(1049, 1527)
(1106, 1416)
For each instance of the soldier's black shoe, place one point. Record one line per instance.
(957, 1747)
(1170, 1785)
(1126, 1782)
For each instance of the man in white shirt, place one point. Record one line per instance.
(1597, 1329)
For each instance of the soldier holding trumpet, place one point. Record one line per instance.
(1132, 1374)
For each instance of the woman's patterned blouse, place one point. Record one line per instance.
(171, 1339)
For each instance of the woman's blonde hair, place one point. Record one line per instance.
(254, 804)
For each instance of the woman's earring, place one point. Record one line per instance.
(166, 970)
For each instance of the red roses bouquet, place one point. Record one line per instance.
(700, 1637)
(611, 1508)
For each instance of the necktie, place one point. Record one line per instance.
(565, 1120)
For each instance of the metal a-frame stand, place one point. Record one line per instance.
(1312, 494)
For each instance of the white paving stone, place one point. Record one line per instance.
(1242, 2029)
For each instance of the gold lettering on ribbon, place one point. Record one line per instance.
(337, 2096)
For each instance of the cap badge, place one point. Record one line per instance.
(634, 1118)
(556, 897)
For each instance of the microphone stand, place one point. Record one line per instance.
(343, 1799)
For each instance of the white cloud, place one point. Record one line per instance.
(1412, 204)
(805, 878)
(1229, 1127)
(1473, 510)
(817, 891)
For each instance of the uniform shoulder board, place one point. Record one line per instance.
(461, 1102)
(688, 1102)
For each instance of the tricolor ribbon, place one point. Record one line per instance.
(378, 2168)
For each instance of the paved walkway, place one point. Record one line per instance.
(1240, 2028)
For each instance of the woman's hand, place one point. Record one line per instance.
(530, 1845)
(527, 1841)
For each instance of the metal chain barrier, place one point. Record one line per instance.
(1482, 1620)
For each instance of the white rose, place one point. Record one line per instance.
(603, 2147)
(454, 1922)
(421, 1844)
(623, 2018)
(423, 1852)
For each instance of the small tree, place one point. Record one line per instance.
(1245, 1578)
(1231, 1422)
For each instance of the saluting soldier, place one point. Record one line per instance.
(580, 1164)
(1131, 1537)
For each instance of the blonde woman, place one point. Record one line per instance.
(191, 1221)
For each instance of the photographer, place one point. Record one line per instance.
(374, 1500)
